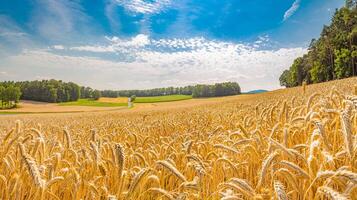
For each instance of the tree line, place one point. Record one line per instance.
(187, 90)
(56, 91)
(216, 90)
(9, 96)
(332, 56)
(46, 90)
(201, 90)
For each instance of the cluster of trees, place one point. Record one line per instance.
(89, 93)
(46, 90)
(150, 92)
(52, 91)
(9, 96)
(216, 90)
(332, 56)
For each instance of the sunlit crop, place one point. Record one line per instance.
(289, 144)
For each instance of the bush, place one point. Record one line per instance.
(132, 98)
(96, 94)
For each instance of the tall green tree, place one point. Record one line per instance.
(285, 78)
(342, 69)
(9, 95)
(2, 95)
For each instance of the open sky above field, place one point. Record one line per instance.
(137, 44)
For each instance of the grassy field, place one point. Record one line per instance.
(157, 99)
(89, 102)
(296, 143)
(115, 102)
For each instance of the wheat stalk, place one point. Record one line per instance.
(172, 169)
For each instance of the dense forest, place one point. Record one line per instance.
(218, 89)
(46, 90)
(332, 56)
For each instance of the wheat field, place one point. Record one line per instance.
(297, 143)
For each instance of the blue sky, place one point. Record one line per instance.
(133, 44)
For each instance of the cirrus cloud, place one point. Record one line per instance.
(294, 7)
(144, 7)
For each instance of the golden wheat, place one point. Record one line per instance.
(285, 144)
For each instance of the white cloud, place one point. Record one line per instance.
(42, 78)
(292, 9)
(144, 6)
(117, 45)
(142, 42)
(58, 47)
(160, 63)
(3, 73)
(137, 41)
(95, 49)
